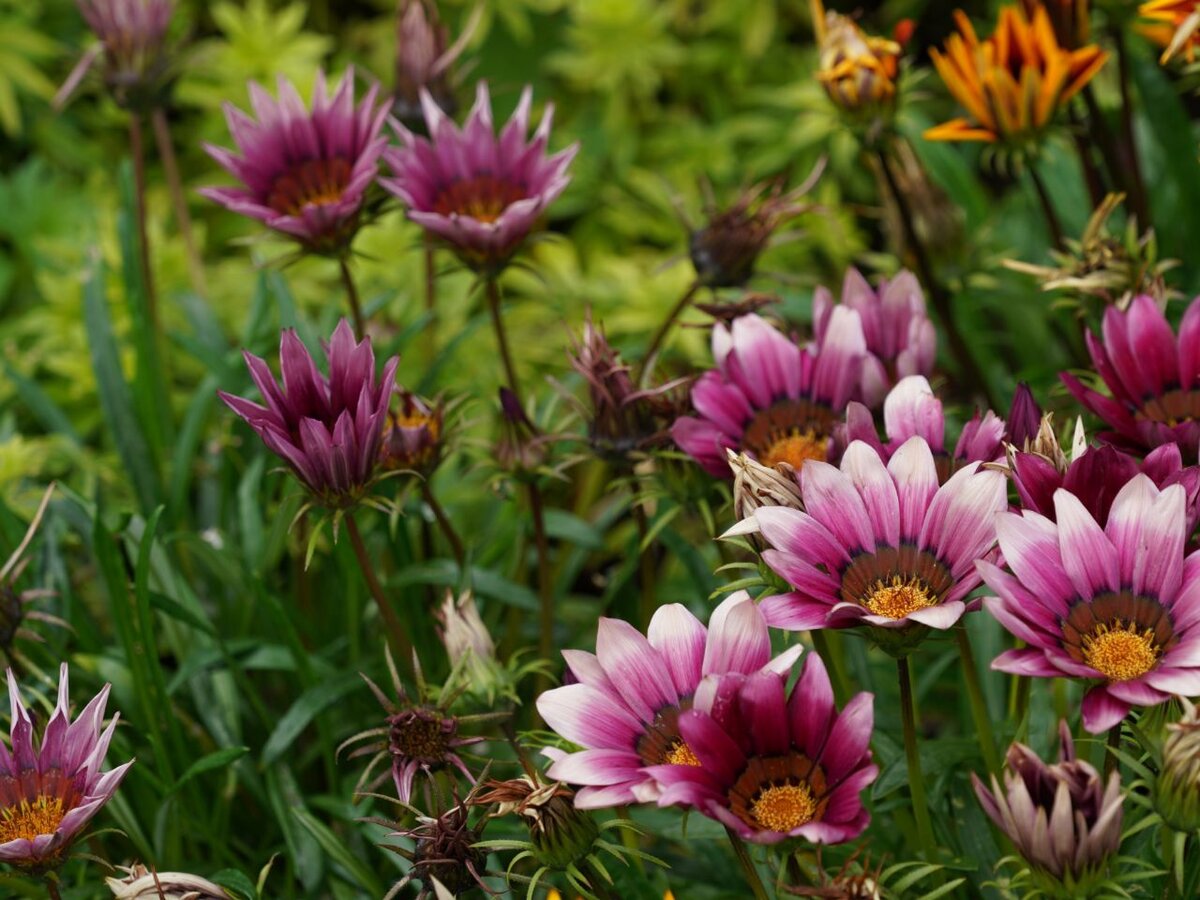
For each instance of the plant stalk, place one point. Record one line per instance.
(916, 781)
(1113, 743)
(545, 580)
(664, 329)
(510, 371)
(833, 658)
(646, 565)
(360, 325)
(52, 889)
(430, 263)
(979, 710)
(1139, 198)
(402, 648)
(753, 881)
(1052, 220)
(137, 151)
(967, 364)
(183, 219)
(444, 523)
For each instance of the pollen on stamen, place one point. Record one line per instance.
(795, 448)
(28, 820)
(783, 807)
(680, 754)
(899, 597)
(1120, 651)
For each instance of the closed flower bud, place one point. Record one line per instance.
(756, 485)
(424, 61)
(412, 440)
(140, 883)
(1024, 418)
(857, 70)
(1177, 790)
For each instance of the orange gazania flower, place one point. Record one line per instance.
(857, 70)
(1178, 28)
(1014, 82)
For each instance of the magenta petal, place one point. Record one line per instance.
(1101, 711)
(680, 640)
(635, 668)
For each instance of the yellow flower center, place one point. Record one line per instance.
(782, 807)
(1119, 651)
(795, 448)
(28, 820)
(898, 597)
(317, 182)
(680, 754)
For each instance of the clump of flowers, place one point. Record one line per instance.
(482, 193)
(625, 706)
(858, 71)
(49, 792)
(1013, 82)
(771, 398)
(1110, 268)
(1062, 817)
(772, 766)
(1177, 787)
(1152, 374)
(132, 44)
(329, 430)
(304, 172)
(1115, 605)
(901, 339)
(878, 545)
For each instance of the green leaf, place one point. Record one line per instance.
(340, 853)
(301, 713)
(218, 759)
(236, 882)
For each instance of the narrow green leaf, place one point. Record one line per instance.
(340, 853)
(218, 759)
(301, 713)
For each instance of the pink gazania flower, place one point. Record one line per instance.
(911, 409)
(1118, 605)
(48, 794)
(769, 397)
(1152, 375)
(624, 708)
(132, 42)
(480, 192)
(772, 766)
(1097, 475)
(328, 430)
(304, 173)
(879, 545)
(901, 340)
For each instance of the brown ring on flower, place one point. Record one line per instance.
(895, 581)
(484, 197)
(1171, 407)
(661, 743)
(1120, 635)
(790, 431)
(779, 793)
(314, 182)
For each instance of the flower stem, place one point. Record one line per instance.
(916, 781)
(52, 889)
(183, 219)
(510, 371)
(352, 296)
(430, 295)
(137, 151)
(402, 648)
(968, 366)
(979, 710)
(1052, 221)
(829, 648)
(544, 576)
(664, 329)
(1138, 196)
(646, 566)
(1113, 743)
(748, 871)
(444, 523)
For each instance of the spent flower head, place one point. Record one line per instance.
(445, 853)
(141, 883)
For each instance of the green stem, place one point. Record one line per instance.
(664, 329)
(829, 648)
(402, 648)
(968, 365)
(137, 152)
(916, 781)
(1139, 197)
(1052, 220)
(431, 296)
(510, 371)
(753, 881)
(979, 710)
(447, 527)
(52, 889)
(646, 565)
(360, 325)
(544, 575)
(1113, 743)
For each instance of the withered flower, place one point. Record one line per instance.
(756, 485)
(561, 835)
(446, 853)
(141, 883)
(1112, 268)
(853, 881)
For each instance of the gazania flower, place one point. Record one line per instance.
(49, 793)
(1012, 83)
(412, 440)
(132, 35)
(625, 707)
(1071, 19)
(770, 766)
(910, 410)
(1176, 26)
(725, 250)
(328, 430)
(1152, 375)
(857, 70)
(480, 192)
(880, 545)
(901, 340)
(1117, 605)
(304, 173)
(769, 397)
(1062, 817)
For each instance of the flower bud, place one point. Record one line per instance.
(140, 883)
(1177, 789)
(413, 439)
(1024, 418)
(756, 485)
(423, 61)
(858, 71)
(559, 833)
